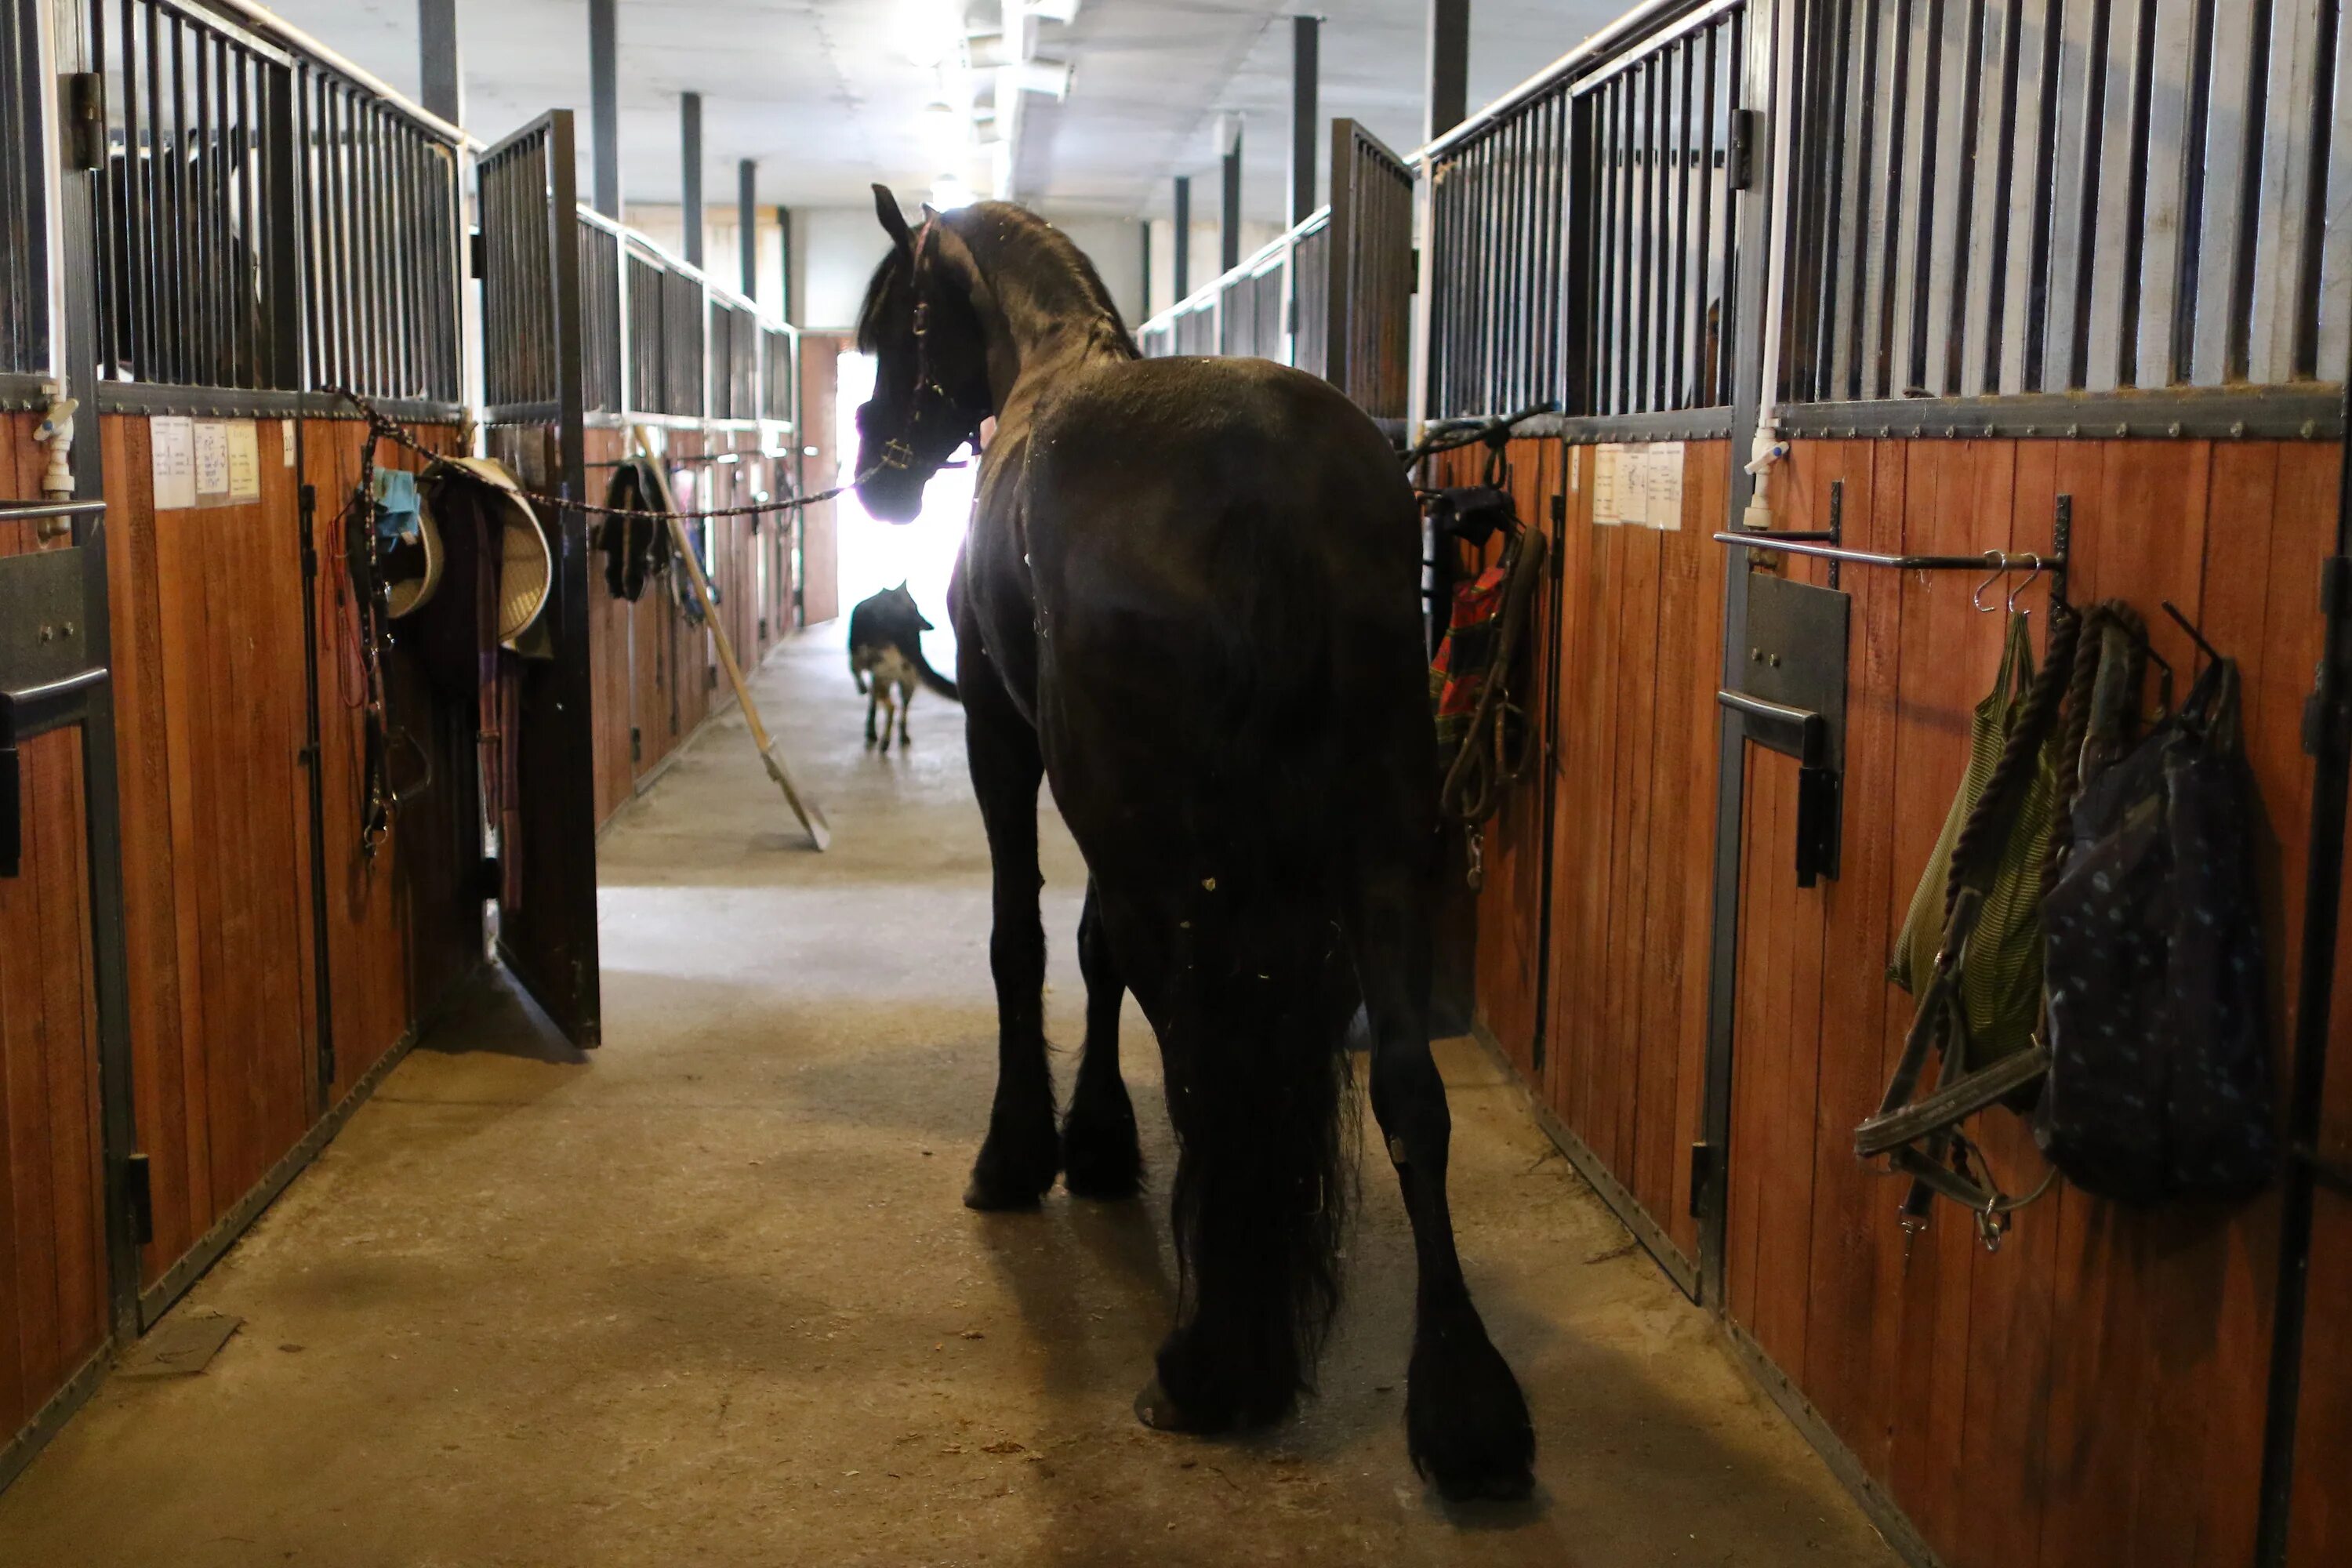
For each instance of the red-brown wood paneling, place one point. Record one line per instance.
(1637, 641)
(53, 1313)
(403, 925)
(610, 629)
(820, 552)
(211, 723)
(2094, 1391)
(1509, 903)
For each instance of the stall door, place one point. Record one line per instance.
(531, 377)
(52, 1254)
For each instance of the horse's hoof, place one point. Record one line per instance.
(1102, 1158)
(979, 1195)
(1157, 1409)
(1011, 1175)
(1466, 1423)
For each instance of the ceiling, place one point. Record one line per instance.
(828, 95)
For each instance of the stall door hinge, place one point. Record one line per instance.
(85, 139)
(139, 1198)
(1707, 1164)
(636, 744)
(478, 253)
(1412, 270)
(1742, 159)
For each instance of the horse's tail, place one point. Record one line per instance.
(1257, 1070)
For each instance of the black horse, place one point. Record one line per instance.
(1188, 599)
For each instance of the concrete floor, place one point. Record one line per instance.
(709, 1297)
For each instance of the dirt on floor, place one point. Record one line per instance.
(708, 1295)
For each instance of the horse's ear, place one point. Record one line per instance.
(955, 255)
(885, 208)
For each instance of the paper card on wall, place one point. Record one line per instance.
(1604, 485)
(1667, 485)
(286, 432)
(244, 461)
(1634, 486)
(212, 459)
(172, 441)
(1575, 469)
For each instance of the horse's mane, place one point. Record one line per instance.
(1010, 240)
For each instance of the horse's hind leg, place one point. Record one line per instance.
(873, 696)
(906, 702)
(1022, 1152)
(1465, 1421)
(889, 712)
(1100, 1156)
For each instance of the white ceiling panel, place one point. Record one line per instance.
(827, 94)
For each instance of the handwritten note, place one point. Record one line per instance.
(244, 461)
(171, 440)
(212, 459)
(1638, 484)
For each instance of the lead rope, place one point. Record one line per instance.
(895, 455)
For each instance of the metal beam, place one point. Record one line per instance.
(747, 228)
(689, 188)
(443, 87)
(1306, 70)
(605, 106)
(1184, 234)
(1229, 226)
(784, 264)
(1449, 65)
(1147, 269)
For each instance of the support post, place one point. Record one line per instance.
(1184, 234)
(747, 227)
(1306, 67)
(689, 189)
(1449, 66)
(604, 105)
(784, 264)
(1229, 227)
(1145, 312)
(442, 87)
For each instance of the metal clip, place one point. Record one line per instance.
(1990, 1224)
(1477, 872)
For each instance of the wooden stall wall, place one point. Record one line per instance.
(1602, 1006)
(52, 1282)
(1639, 654)
(404, 925)
(2096, 1391)
(1508, 909)
(820, 553)
(611, 626)
(210, 691)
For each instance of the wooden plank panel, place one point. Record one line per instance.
(1633, 671)
(1707, 473)
(179, 1166)
(58, 834)
(1848, 1345)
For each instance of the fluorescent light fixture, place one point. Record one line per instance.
(1051, 78)
(949, 191)
(1063, 11)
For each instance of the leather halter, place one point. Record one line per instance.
(895, 452)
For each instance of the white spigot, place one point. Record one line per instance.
(57, 431)
(1768, 451)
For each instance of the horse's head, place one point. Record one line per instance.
(931, 362)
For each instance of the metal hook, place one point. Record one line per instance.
(2029, 576)
(2000, 570)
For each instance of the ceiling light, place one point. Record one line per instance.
(1051, 78)
(1062, 11)
(950, 192)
